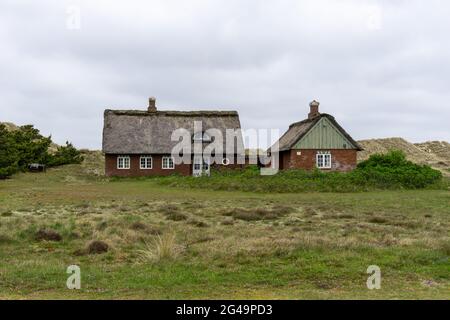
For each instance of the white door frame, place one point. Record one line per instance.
(201, 166)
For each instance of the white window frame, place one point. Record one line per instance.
(146, 159)
(321, 161)
(122, 166)
(169, 167)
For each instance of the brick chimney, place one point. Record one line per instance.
(152, 104)
(314, 112)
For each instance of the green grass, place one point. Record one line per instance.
(231, 244)
(369, 176)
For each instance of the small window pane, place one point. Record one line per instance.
(167, 163)
(146, 162)
(123, 162)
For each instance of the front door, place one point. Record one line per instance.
(201, 166)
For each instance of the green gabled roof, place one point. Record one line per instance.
(299, 130)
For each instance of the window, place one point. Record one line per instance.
(123, 162)
(324, 160)
(205, 165)
(146, 162)
(167, 163)
(197, 164)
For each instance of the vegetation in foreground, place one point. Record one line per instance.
(25, 145)
(390, 171)
(138, 239)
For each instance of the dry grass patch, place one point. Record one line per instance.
(7, 214)
(176, 216)
(47, 235)
(4, 239)
(140, 226)
(258, 214)
(162, 248)
(379, 220)
(171, 212)
(198, 223)
(228, 222)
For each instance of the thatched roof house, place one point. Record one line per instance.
(140, 143)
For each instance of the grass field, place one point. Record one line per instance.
(169, 243)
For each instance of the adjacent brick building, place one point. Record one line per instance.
(316, 142)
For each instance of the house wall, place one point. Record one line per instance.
(135, 171)
(341, 159)
(157, 170)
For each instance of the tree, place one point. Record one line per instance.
(22, 147)
(9, 157)
(67, 154)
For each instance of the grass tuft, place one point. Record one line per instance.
(162, 248)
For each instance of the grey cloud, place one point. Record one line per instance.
(381, 67)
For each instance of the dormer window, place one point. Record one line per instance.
(202, 137)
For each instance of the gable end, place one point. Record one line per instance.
(324, 135)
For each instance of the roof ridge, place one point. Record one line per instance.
(308, 120)
(173, 113)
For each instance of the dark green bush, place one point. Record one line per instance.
(9, 156)
(65, 155)
(390, 171)
(20, 148)
(393, 169)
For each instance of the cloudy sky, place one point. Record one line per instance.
(382, 68)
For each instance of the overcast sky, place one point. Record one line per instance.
(382, 68)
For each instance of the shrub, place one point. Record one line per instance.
(379, 172)
(65, 155)
(9, 157)
(393, 170)
(24, 146)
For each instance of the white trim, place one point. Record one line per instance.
(322, 164)
(170, 167)
(123, 166)
(146, 162)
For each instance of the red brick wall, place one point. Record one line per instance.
(157, 170)
(135, 171)
(341, 159)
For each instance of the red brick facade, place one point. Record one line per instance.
(341, 159)
(111, 168)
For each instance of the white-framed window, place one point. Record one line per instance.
(123, 162)
(168, 163)
(197, 163)
(323, 160)
(146, 162)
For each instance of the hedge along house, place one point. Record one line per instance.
(316, 142)
(140, 143)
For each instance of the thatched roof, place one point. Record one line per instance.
(297, 130)
(143, 132)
